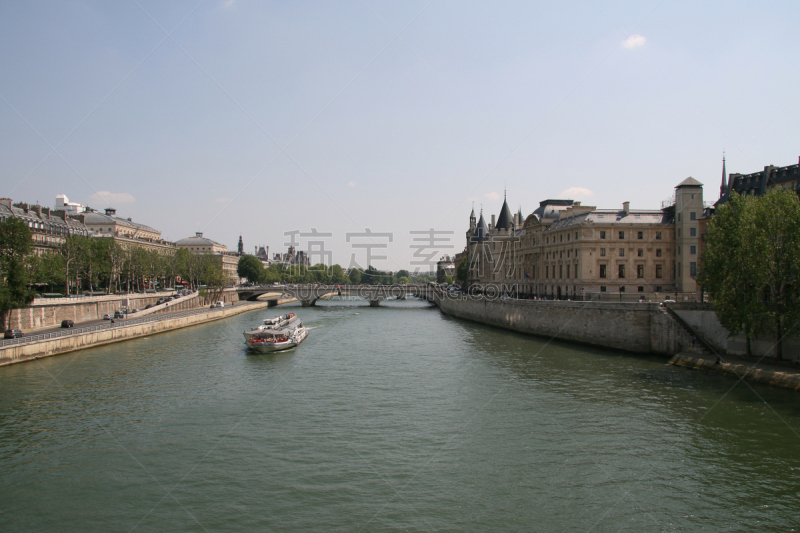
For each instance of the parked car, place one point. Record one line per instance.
(667, 301)
(67, 324)
(135, 311)
(106, 317)
(219, 304)
(13, 334)
(119, 314)
(148, 306)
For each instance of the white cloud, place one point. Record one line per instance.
(634, 41)
(576, 192)
(351, 183)
(492, 195)
(111, 198)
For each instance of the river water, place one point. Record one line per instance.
(384, 419)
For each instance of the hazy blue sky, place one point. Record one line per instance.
(256, 118)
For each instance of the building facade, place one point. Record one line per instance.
(49, 228)
(565, 250)
(228, 261)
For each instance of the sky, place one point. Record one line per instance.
(273, 119)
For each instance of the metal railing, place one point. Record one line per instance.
(119, 323)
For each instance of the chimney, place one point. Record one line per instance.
(38, 210)
(129, 219)
(626, 206)
(110, 211)
(199, 234)
(6, 202)
(576, 204)
(492, 221)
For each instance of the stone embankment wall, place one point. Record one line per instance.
(17, 353)
(702, 318)
(633, 327)
(44, 313)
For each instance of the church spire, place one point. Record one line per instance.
(722, 187)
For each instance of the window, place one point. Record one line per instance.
(621, 271)
(640, 271)
(641, 289)
(560, 238)
(547, 272)
(658, 288)
(679, 250)
(693, 269)
(576, 235)
(658, 235)
(680, 270)
(640, 252)
(560, 271)
(621, 234)
(679, 217)
(602, 271)
(693, 250)
(658, 252)
(602, 252)
(692, 232)
(622, 289)
(692, 216)
(640, 235)
(602, 234)
(622, 252)
(602, 288)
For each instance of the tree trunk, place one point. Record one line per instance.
(747, 342)
(779, 345)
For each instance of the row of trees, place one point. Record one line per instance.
(751, 265)
(88, 264)
(251, 268)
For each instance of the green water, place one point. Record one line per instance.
(395, 418)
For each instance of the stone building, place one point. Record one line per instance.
(566, 250)
(758, 183)
(49, 228)
(200, 245)
(124, 231)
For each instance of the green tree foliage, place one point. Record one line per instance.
(354, 276)
(15, 244)
(250, 267)
(751, 265)
(461, 271)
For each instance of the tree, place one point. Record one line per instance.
(774, 234)
(461, 271)
(355, 276)
(15, 244)
(250, 267)
(751, 265)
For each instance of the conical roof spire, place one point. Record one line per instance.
(506, 219)
(482, 231)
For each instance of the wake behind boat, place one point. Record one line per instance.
(273, 324)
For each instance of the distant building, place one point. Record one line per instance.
(758, 183)
(445, 267)
(200, 245)
(292, 257)
(124, 231)
(71, 208)
(49, 228)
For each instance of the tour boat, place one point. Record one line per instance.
(274, 340)
(273, 324)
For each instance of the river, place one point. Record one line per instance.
(395, 418)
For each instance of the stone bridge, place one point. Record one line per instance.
(309, 294)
